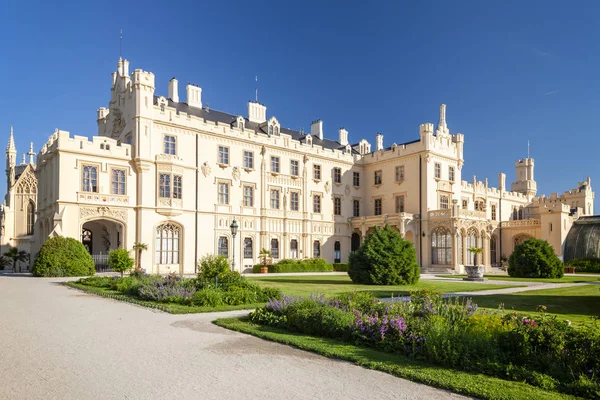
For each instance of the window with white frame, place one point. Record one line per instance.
(378, 208)
(117, 181)
(248, 196)
(275, 198)
(275, 164)
(493, 212)
(337, 206)
(223, 246)
(177, 186)
(294, 168)
(377, 177)
(479, 205)
(316, 203)
(248, 248)
(337, 175)
(166, 247)
(165, 186)
(248, 159)
(465, 204)
(89, 179)
(274, 248)
(356, 208)
(170, 145)
(441, 246)
(444, 202)
(294, 201)
(223, 155)
(438, 170)
(451, 174)
(316, 249)
(356, 179)
(399, 173)
(317, 172)
(400, 203)
(223, 197)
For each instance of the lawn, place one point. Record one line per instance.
(575, 303)
(466, 383)
(564, 279)
(337, 284)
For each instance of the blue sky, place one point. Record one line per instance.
(509, 71)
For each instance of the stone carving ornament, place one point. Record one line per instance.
(235, 173)
(205, 169)
(118, 123)
(327, 187)
(347, 190)
(103, 211)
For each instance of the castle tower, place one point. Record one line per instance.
(525, 183)
(11, 160)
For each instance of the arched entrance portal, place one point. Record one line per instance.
(99, 237)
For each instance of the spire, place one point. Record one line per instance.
(23, 161)
(11, 142)
(31, 153)
(442, 127)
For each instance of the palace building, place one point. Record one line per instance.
(174, 174)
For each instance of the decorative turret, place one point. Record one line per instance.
(11, 159)
(31, 153)
(442, 126)
(525, 183)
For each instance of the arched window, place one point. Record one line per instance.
(223, 246)
(471, 242)
(521, 212)
(355, 242)
(493, 250)
(90, 179)
(167, 244)
(337, 252)
(316, 249)
(459, 248)
(275, 130)
(293, 248)
(441, 246)
(515, 213)
(274, 248)
(248, 248)
(270, 129)
(30, 217)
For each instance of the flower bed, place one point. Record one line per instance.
(543, 352)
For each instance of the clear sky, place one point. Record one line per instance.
(509, 71)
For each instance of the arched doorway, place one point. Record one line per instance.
(355, 242)
(99, 237)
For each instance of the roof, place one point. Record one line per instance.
(583, 239)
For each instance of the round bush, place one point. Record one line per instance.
(384, 259)
(535, 258)
(208, 297)
(62, 256)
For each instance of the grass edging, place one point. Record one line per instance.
(470, 384)
(165, 307)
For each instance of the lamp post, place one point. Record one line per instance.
(234, 229)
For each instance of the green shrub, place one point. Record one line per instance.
(62, 256)
(340, 267)
(129, 285)
(384, 258)
(97, 281)
(306, 265)
(314, 318)
(240, 295)
(119, 260)
(591, 265)
(256, 268)
(535, 258)
(212, 266)
(268, 293)
(208, 298)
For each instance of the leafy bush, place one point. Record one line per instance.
(535, 258)
(268, 293)
(240, 295)
(61, 256)
(119, 260)
(130, 285)
(384, 258)
(585, 265)
(208, 298)
(212, 266)
(307, 265)
(340, 267)
(171, 289)
(97, 281)
(313, 318)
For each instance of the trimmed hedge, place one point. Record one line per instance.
(291, 265)
(62, 256)
(340, 267)
(535, 258)
(585, 264)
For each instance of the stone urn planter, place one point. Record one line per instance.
(474, 271)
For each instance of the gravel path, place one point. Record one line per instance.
(59, 343)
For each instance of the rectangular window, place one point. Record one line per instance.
(377, 177)
(294, 169)
(317, 203)
(451, 174)
(356, 208)
(274, 248)
(493, 212)
(90, 179)
(399, 204)
(337, 175)
(400, 173)
(356, 179)
(378, 208)
(247, 247)
(275, 164)
(223, 246)
(223, 155)
(275, 198)
(293, 248)
(248, 159)
(223, 193)
(316, 249)
(337, 206)
(170, 145)
(465, 204)
(443, 202)
(164, 186)
(177, 186)
(317, 172)
(438, 170)
(248, 196)
(294, 201)
(118, 181)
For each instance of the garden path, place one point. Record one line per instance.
(59, 343)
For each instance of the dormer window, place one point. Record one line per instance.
(309, 140)
(273, 127)
(240, 123)
(162, 108)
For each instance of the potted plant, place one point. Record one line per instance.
(475, 271)
(265, 258)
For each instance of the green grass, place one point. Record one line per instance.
(166, 307)
(337, 284)
(575, 303)
(564, 279)
(466, 383)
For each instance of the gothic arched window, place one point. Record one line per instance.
(441, 246)
(30, 217)
(316, 249)
(168, 237)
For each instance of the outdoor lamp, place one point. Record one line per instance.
(234, 228)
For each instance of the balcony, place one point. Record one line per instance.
(440, 214)
(284, 180)
(520, 223)
(471, 214)
(96, 198)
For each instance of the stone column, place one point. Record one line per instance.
(455, 252)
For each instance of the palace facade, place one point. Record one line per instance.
(174, 174)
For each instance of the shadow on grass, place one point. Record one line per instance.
(558, 304)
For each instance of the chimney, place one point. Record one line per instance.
(379, 140)
(502, 181)
(194, 95)
(316, 129)
(257, 112)
(174, 90)
(125, 71)
(343, 136)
